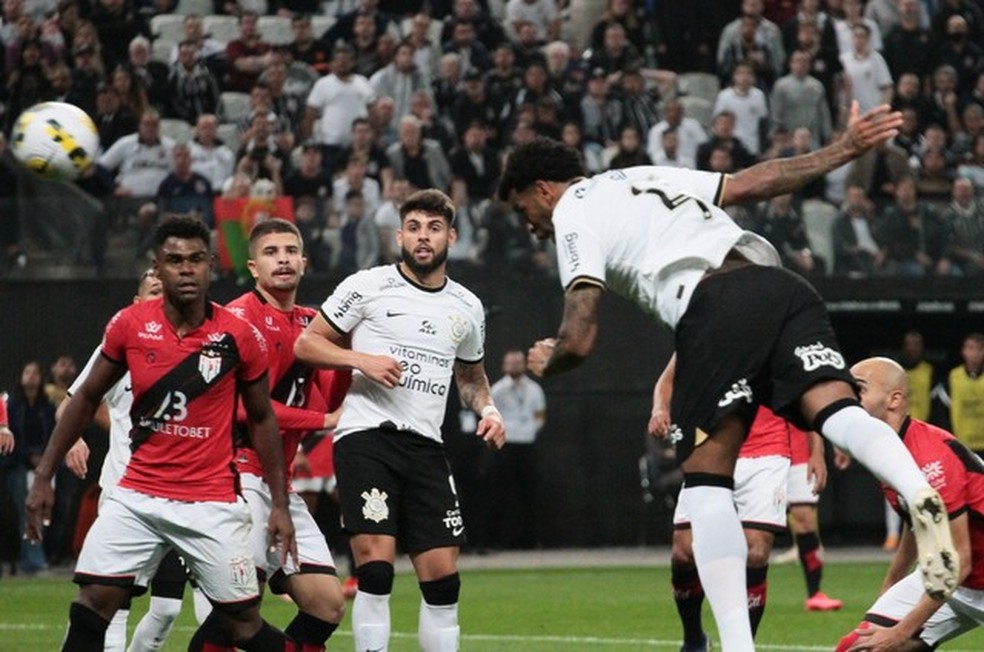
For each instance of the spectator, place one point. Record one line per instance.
(359, 238)
(542, 14)
(909, 45)
(933, 137)
(311, 188)
(527, 48)
(447, 83)
(210, 51)
(487, 29)
(887, 14)
(878, 171)
(210, 157)
(63, 371)
(630, 152)
(723, 136)
(426, 52)
(476, 103)
(908, 136)
(966, 389)
(193, 89)
(564, 74)
(690, 135)
(388, 221)
(60, 81)
(260, 157)
(976, 94)
(747, 105)
(117, 25)
(149, 74)
(365, 45)
(86, 77)
(909, 95)
(184, 190)
(354, 178)
(337, 100)
(933, 179)
(941, 108)
(964, 54)
(808, 12)
(505, 78)
(802, 143)
(799, 100)
(307, 48)
(381, 113)
(639, 105)
(417, 159)
(856, 253)
(247, 55)
(973, 168)
(844, 27)
(825, 65)
(911, 235)
(131, 93)
(571, 134)
(400, 80)
(616, 54)
(139, 162)
(972, 14)
(464, 43)
(475, 168)
(867, 80)
(972, 118)
(601, 112)
(536, 89)
(261, 104)
(378, 166)
(27, 84)
(670, 148)
(343, 30)
(964, 221)
(751, 34)
(31, 418)
(625, 14)
(523, 405)
(781, 224)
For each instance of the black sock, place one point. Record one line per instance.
(688, 593)
(808, 545)
(305, 628)
(209, 632)
(86, 630)
(755, 579)
(268, 639)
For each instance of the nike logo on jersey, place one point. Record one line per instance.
(390, 313)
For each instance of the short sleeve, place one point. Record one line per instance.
(580, 249)
(472, 347)
(346, 306)
(252, 353)
(706, 186)
(114, 339)
(947, 475)
(86, 370)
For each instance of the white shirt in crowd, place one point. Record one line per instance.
(339, 103)
(522, 403)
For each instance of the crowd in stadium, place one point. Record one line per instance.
(347, 106)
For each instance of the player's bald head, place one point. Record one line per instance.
(886, 373)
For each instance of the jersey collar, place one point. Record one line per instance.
(417, 285)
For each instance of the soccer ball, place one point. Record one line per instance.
(55, 140)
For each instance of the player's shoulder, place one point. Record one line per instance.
(148, 311)
(459, 293)
(243, 305)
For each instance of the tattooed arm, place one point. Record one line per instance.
(576, 338)
(473, 386)
(785, 175)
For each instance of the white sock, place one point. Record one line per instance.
(154, 627)
(371, 622)
(202, 606)
(874, 444)
(720, 552)
(116, 632)
(438, 628)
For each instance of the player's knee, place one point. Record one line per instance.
(759, 549)
(682, 553)
(441, 592)
(165, 609)
(318, 594)
(375, 577)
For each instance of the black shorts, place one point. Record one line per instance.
(754, 335)
(399, 484)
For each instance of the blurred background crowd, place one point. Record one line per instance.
(346, 106)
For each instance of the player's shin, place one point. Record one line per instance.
(757, 581)
(116, 632)
(720, 551)
(154, 628)
(370, 610)
(86, 630)
(808, 547)
(309, 632)
(438, 629)
(689, 597)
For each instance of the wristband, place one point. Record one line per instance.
(489, 410)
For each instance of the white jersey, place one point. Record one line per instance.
(425, 329)
(649, 233)
(119, 400)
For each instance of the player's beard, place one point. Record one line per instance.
(439, 258)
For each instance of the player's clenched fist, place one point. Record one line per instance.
(539, 355)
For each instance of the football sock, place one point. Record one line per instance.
(437, 628)
(874, 444)
(720, 551)
(154, 627)
(371, 622)
(808, 545)
(756, 578)
(267, 639)
(210, 637)
(310, 632)
(116, 632)
(689, 596)
(86, 630)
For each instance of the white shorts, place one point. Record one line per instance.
(800, 490)
(312, 549)
(760, 493)
(962, 612)
(134, 531)
(315, 484)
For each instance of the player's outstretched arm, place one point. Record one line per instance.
(265, 435)
(77, 415)
(320, 346)
(473, 386)
(659, 417)
(576, 338)
(785, 175)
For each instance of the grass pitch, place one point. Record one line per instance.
(603, 610)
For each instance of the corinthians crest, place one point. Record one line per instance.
(375, 509)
